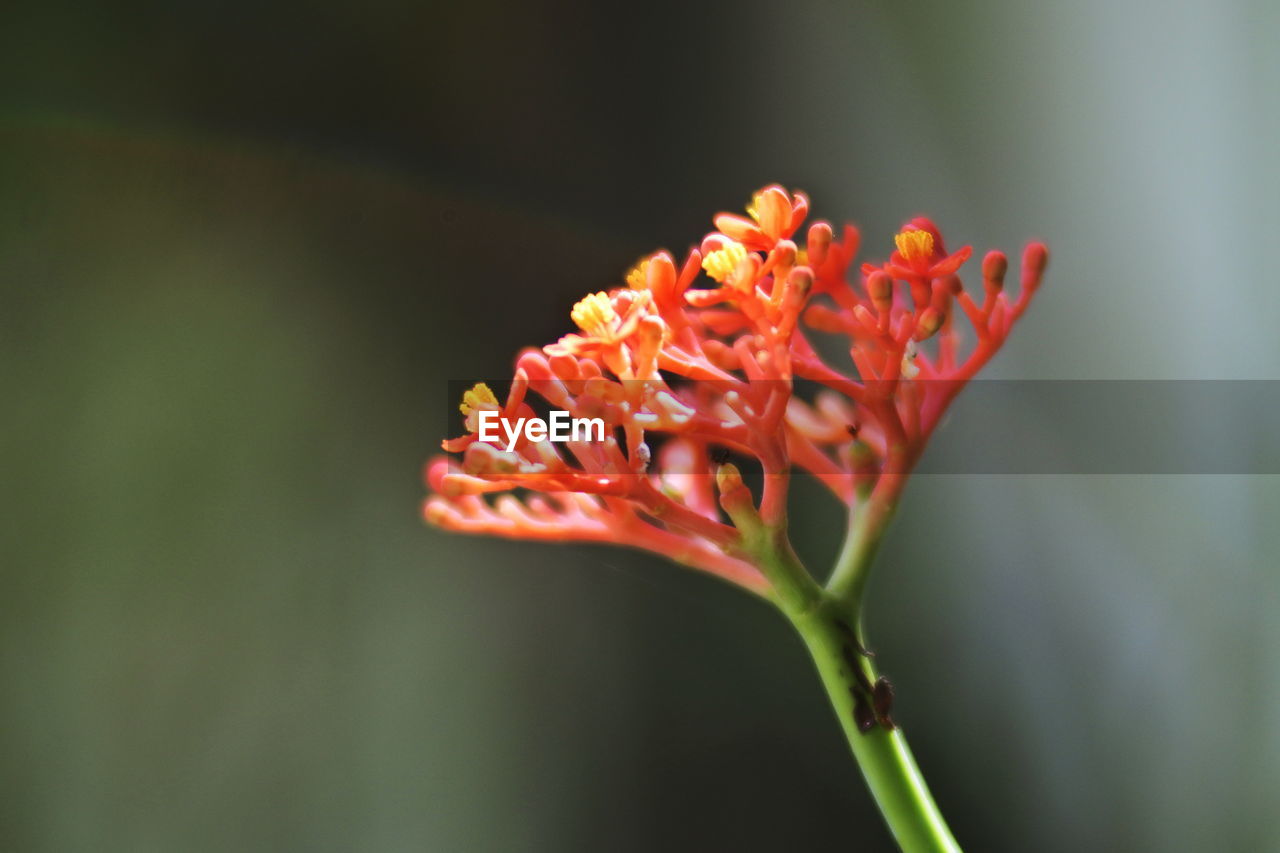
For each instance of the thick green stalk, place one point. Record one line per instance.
(882, 753)
(829, 621)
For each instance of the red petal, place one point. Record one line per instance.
(948, 265)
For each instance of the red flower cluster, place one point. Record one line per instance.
(683, 367)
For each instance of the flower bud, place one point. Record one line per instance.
(880, 289)
(729, 478)
(660, 276)
(434, 472)
(438, 512)
(994, 266)
(1034, 260)
(736, 498)
(794, 294)
(929, 322)
(819, 243)
(784, 253)
(651, 331)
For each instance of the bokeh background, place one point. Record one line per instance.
(245, 246)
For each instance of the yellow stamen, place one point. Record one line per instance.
(637, 276)
(594, 315)
(914, 245)
(479, 395)
(721, 263)
(753, 209)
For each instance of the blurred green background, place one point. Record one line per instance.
(244, 248)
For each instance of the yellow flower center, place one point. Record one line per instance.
(479, 395)
(914, 245)
(721, 263)
(594, 315)
(637, 276)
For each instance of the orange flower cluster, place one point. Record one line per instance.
(691, 362)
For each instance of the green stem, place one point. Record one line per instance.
(829, 621)
(867, 525)
(882, 753)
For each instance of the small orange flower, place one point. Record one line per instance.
(607, 320)
(775, 215)
(921, 253)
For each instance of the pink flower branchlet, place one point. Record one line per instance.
(689, 363)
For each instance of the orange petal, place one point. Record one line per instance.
(737, 228)
(773, 209)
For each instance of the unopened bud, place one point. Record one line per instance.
(660, 275)
(785, 253)
(994, 266)
(434, 473)
(736, 499)
(800, 282)
(651, 330)
(794, 293)
(929, 322)
(880, 289)
(1034, 260)
(819, 243)
(728, 478)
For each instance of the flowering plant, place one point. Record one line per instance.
(694, 369)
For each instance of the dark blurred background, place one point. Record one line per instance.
(243, 248)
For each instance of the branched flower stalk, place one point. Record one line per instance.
(715, 379)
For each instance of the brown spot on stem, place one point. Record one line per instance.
(852, 638)
(882, 700)
(863, 715)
